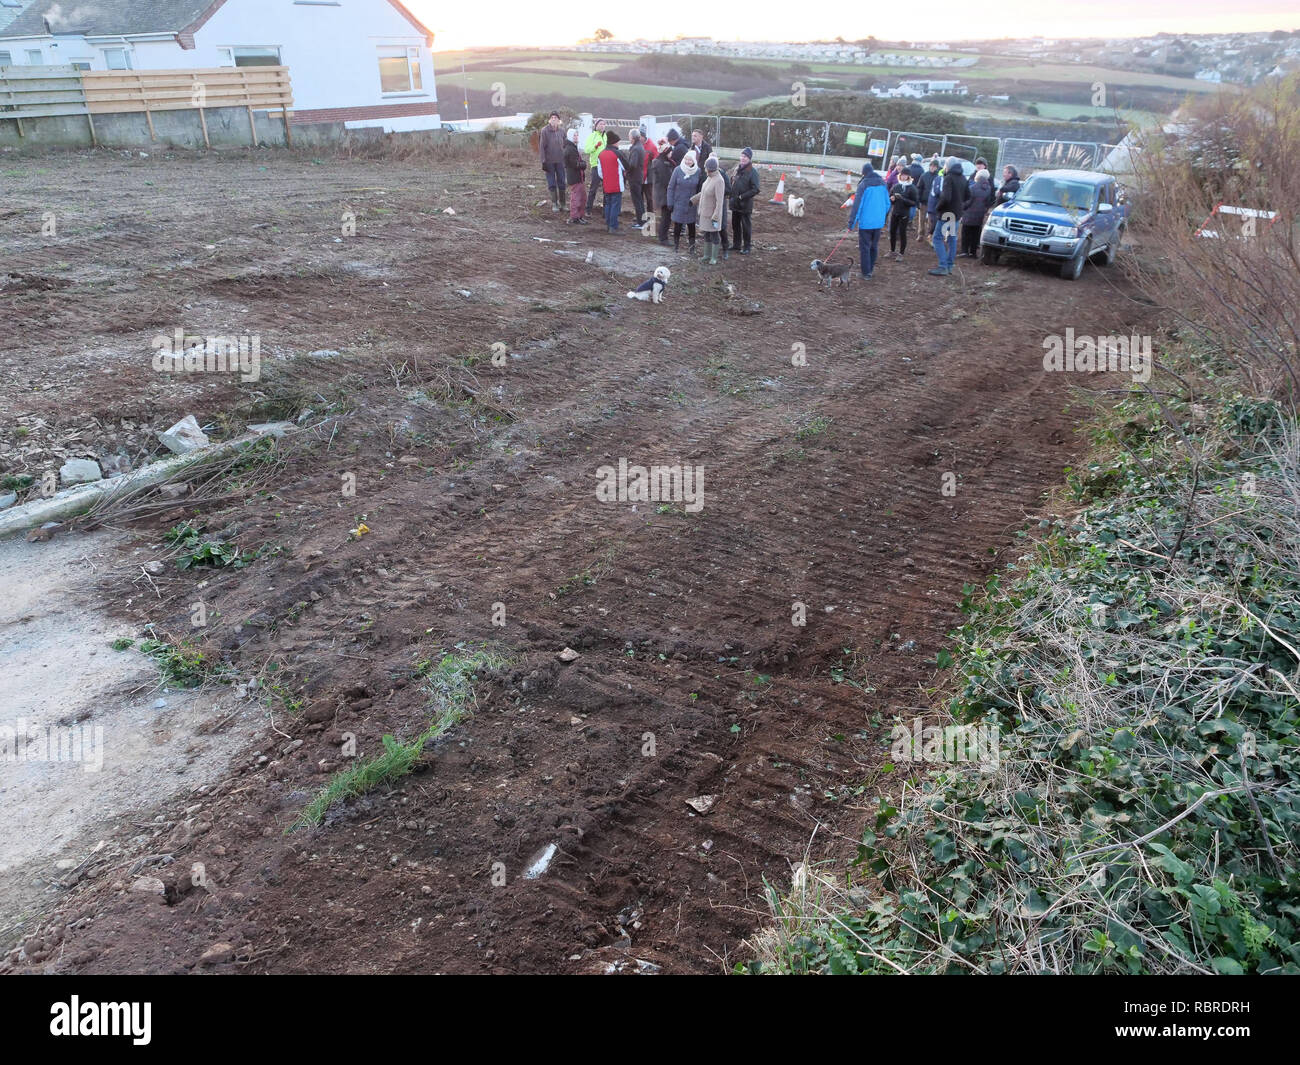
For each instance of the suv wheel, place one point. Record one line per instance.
(1112, 249)
(989, 255)
(1072, 268)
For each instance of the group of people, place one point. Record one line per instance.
(944, 203)
(677, 184)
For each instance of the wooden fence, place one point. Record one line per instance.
(43, 92)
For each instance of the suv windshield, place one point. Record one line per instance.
(1043, 189)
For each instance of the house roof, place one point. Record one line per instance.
(120, 17)
(107, 17)
(8, 14)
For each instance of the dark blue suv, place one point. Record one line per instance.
(1067, 216)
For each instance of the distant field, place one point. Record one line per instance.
(577, 86)
(539, 74)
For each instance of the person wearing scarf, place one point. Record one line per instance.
(867, 215)
(682, 186)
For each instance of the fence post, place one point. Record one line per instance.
(826, 140)
(768, 149)
(943, 146)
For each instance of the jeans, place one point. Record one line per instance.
(613, 204)
(945, 247)
(868, 250)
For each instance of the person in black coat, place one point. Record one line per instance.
(702, 149)
(661, 172)
(677, 148)
(903, 201)
(744, 190)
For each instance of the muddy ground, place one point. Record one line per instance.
(823, 486)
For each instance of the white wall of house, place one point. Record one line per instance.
(333, 53)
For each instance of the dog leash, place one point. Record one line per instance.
(835, 249)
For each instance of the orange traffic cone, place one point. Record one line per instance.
(780, 192)
(822, 180)
(798, 173)
(848, 181)
(849, 201)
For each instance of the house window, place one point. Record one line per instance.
(117, 59)
(256, 57)
(399, 70)
(6, 59)
(81, 64)
(34, 57)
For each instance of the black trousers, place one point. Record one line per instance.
(638, 202)
(898, 232)
(742, 228)
(970, 239)
(677, 232)
(596, 185)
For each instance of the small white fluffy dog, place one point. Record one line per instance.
(794, 206)
(653, 289)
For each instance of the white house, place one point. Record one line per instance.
(362, 62)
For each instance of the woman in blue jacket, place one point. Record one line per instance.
(867, 215)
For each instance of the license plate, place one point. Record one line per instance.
(1029, 242)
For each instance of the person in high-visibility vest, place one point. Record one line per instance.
(596, 141)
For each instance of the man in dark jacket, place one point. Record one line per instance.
(744, 190)
(1010, 184)
(636, 176)
(550, 146)
(702, 149)
(954, 195)
(651, 151)
(677, 148)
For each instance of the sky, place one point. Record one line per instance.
(528, 22)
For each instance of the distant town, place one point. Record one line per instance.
(1242, 58)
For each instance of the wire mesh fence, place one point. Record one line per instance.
(816, 143)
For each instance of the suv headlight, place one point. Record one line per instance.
(997, 221)
(1065, 231)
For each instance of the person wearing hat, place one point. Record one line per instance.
(867, 216)
(677, 146)
(681, 201)
(744, 190)
(954, 195)
(711, 202)
(611, 171)
(550, 145)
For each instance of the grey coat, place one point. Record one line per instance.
(680, 190)
(550, 146)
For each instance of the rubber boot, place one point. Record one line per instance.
(564, 197)
(677, 242)
(690, 250)
(555, 200)
(713, 255)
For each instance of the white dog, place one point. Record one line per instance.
(794, 205)
(653, 289)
